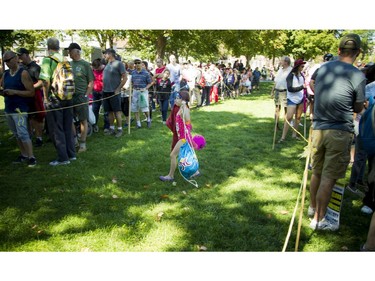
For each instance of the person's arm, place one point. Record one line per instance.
(124, 78)
(289, 84)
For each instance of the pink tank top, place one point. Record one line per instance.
(181, 130)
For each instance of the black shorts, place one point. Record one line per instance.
(111, 102)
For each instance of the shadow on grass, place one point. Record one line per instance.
(111, 199)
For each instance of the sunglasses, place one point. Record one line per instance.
(8, 60)
(137, 62)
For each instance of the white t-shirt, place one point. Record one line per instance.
(280, 79)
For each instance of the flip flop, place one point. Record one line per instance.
(163, 178)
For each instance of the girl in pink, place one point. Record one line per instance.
(183, 115)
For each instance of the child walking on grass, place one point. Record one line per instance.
(180, 114)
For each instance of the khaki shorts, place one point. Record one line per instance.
(280, 98)
(330, 153)
(81, 107)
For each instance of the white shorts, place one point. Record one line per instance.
(140, 101)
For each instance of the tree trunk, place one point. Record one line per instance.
(161, 43)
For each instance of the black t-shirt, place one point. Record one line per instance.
(164, 89)
(34, 70)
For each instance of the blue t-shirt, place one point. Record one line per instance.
(140, 79)
(338, 86)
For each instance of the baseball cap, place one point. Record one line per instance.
(328, 57)
(22, 51)
(350, 41)
(109, 50)
(299, 62)
(73, 46)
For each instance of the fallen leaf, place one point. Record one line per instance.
(159, 216)
(284, 212)
(344, 248)
(269, 216)
(184, 192)
(202, 248)
(164, 196)
(114, 196)
(85, 250)
(35, 226)
(114, 180)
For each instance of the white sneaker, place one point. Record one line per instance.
(323, 225)
(367, 210)
(310, 212)
(58, 163)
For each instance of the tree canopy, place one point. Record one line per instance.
(204, 45)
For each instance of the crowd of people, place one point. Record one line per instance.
(334, 91)
(104, 85)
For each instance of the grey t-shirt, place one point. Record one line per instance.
(112, 75)
(338, 86)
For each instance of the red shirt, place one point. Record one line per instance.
(158, 71)
(98, 81)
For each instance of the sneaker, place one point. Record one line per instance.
(106, 130)
(59, 163)
(355, 190)
(20, 159)
(38, 143)
(148, 124)
(139, 126)
(32, 162)
(367, 210)
(164, 122)
(118, 134)
(95, 128)
(310, 212)
(324, 224)
(125, 126)
(73, 158)
(109, 132)
(82, 149)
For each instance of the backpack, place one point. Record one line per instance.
(366, 130)
(62, 83)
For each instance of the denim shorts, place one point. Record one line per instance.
(289, 102)
(18, 123)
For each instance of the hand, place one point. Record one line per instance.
(9, 92)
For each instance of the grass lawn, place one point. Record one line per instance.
(111, 200)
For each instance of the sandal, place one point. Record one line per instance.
(281, 140)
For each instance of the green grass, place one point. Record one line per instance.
(111, 199)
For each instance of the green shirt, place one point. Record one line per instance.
(83, 75)
(49, 65)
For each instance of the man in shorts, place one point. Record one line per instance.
(141, 81)
(279, 89)
(84, 83)
(339, 91)
(114, 78)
